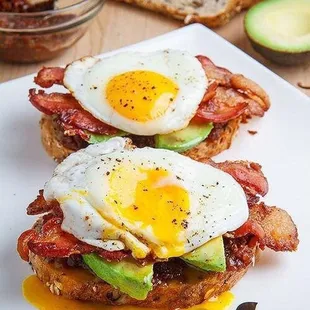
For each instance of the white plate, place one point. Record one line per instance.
(282, 146)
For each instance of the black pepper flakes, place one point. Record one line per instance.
(184, 224)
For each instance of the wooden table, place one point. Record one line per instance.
(120, 25)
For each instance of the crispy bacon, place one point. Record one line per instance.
(48, 76)
(70, 130)
(238, 252)
(248, 174)
(224, 105)
(52, 241)
(210, 92)
(273, 228)
(218, 74)
(250, 227)
(280, 231)
(22, 243)
(251, 89)
(256, 98)
(69, 110)
(40, 205)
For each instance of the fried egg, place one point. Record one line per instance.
(140, 93)
(149, 201)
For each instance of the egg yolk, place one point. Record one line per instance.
(152, 198)
(141, 95)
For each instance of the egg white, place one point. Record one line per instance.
(88, 77)
(217, 202)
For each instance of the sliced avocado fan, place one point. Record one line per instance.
(128, 277)
(280, 30)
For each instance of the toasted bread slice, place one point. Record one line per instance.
(78, 283)
(212, 13)
(53, 147)
(208, 148)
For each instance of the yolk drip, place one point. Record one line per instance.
(41, 298)
(152, 198)
(141, 95)
(222, 302)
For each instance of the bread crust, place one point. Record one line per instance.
(83, 285)
(207, 148)
(232, 8)
(53, 147)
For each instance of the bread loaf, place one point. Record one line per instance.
(212, 13)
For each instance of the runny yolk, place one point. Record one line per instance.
(152, 198)
(141, 95)
(41, 298)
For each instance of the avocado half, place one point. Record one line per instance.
(280, 30)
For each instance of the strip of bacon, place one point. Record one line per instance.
(220, 75)
(280, 231)
(224, 105)
(210, 92)
(273, 227)
(40, 205)
(69, 111)
(250, 227)
(239, 251)
(52, 241)
(70, 130)
(248, 174)
(22, 243)
(49, 76)
(257, 99)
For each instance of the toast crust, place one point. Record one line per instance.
(223, 17)
(206, 149)
(53, 147)
(78, 283)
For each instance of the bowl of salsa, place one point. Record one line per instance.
(38, 30)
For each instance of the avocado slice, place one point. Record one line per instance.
(208, 257)
(94, 138)
(184, 139)
(128, 277)
(280, 30)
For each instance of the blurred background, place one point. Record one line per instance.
(119, 24)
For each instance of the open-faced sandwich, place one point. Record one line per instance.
(150, 227)
(166, 99)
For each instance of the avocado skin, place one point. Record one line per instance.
(287, 54)
(208, 257)
(127, 276)
(281, 58)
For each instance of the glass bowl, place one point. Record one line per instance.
(39, 36)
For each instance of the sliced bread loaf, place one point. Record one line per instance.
(212, 13)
